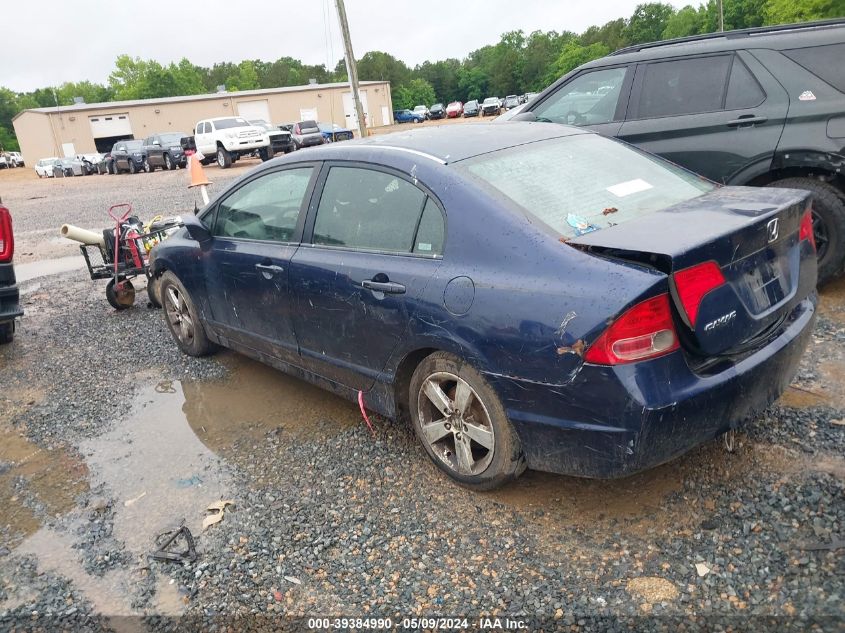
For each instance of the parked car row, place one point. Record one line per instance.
(492, 106)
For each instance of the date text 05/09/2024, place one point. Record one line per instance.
(483, 623)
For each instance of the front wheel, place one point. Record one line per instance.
(168, 163)
(182, 317)
(828, 223)
(224, 158)
(462, 424)
(132, 168)
(265, 154)
(147, 167)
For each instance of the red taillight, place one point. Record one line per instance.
(645, 331)
(7, 239)
(695, 282)
(805, 232)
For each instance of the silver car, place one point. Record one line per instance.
(306, 134)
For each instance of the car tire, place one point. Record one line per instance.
(224, 158)
(168, 163)
(120, 300)
(828, 223)
(7, 332)
(188, 333)
(132, 168)
(147, 167)
(265, 154)
(488, 456)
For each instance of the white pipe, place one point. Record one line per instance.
(82, 235)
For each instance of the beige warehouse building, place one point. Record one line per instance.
(85, 128)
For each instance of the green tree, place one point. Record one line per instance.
(613, 34)
(415, 92)
(687, 21)
(126, 78)
(473, 83)
(381, 66)
(540, 52)
(787, 11)
(572, 56)
(648, 22)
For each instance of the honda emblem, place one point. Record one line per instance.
(772, 230)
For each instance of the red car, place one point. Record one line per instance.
(9, 295)
(454, 110)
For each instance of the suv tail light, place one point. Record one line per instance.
(805, 232)
(695, 282)
(645, 331)
(7, 239)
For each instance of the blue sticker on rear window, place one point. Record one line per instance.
(581, 225)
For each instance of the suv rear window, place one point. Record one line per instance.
(583, 183)
(825, 62)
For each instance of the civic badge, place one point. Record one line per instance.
(772, 230)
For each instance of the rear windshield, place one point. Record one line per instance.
(584, 183)
(308, 126)
(223, 124)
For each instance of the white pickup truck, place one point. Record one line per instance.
(228, 138)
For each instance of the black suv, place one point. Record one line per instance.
(762, 106)
(164, 150)
(9, 295)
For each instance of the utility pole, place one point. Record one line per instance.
(721, 17)
(351, 66)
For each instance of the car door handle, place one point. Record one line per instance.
(387, 287)
(269, 268)
(747, 120)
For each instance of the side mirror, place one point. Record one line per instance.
(196, 229)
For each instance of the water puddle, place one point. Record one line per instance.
(35, 483)
(46, 267)
(158, 467)
(255, 399)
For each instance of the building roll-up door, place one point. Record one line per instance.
(108, 129)
(255, 110)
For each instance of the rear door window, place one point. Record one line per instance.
(743, 89)
(826, 62)
(683, 86)
(589, 99)
(367, 209)
(266, 208)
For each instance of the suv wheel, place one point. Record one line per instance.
(132, 168)
(828, 223)
(224, 158)
(462, 424)
(168, 162)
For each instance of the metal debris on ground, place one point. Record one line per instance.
(168, 541)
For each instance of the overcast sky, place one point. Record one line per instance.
(48, 43)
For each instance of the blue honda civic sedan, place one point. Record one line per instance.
(527, 295)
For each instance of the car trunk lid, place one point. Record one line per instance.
(749, 235)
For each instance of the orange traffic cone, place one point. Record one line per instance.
(198, 178)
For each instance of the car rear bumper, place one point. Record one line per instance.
(9, 294)
(309, 141)
(614, 421)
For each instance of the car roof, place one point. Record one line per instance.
(776, 38)
(450, 143)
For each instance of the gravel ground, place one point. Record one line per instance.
(343, 523)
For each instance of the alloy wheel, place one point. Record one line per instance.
(179, 316)
(456, 424)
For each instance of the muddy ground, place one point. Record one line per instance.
(109, 437)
